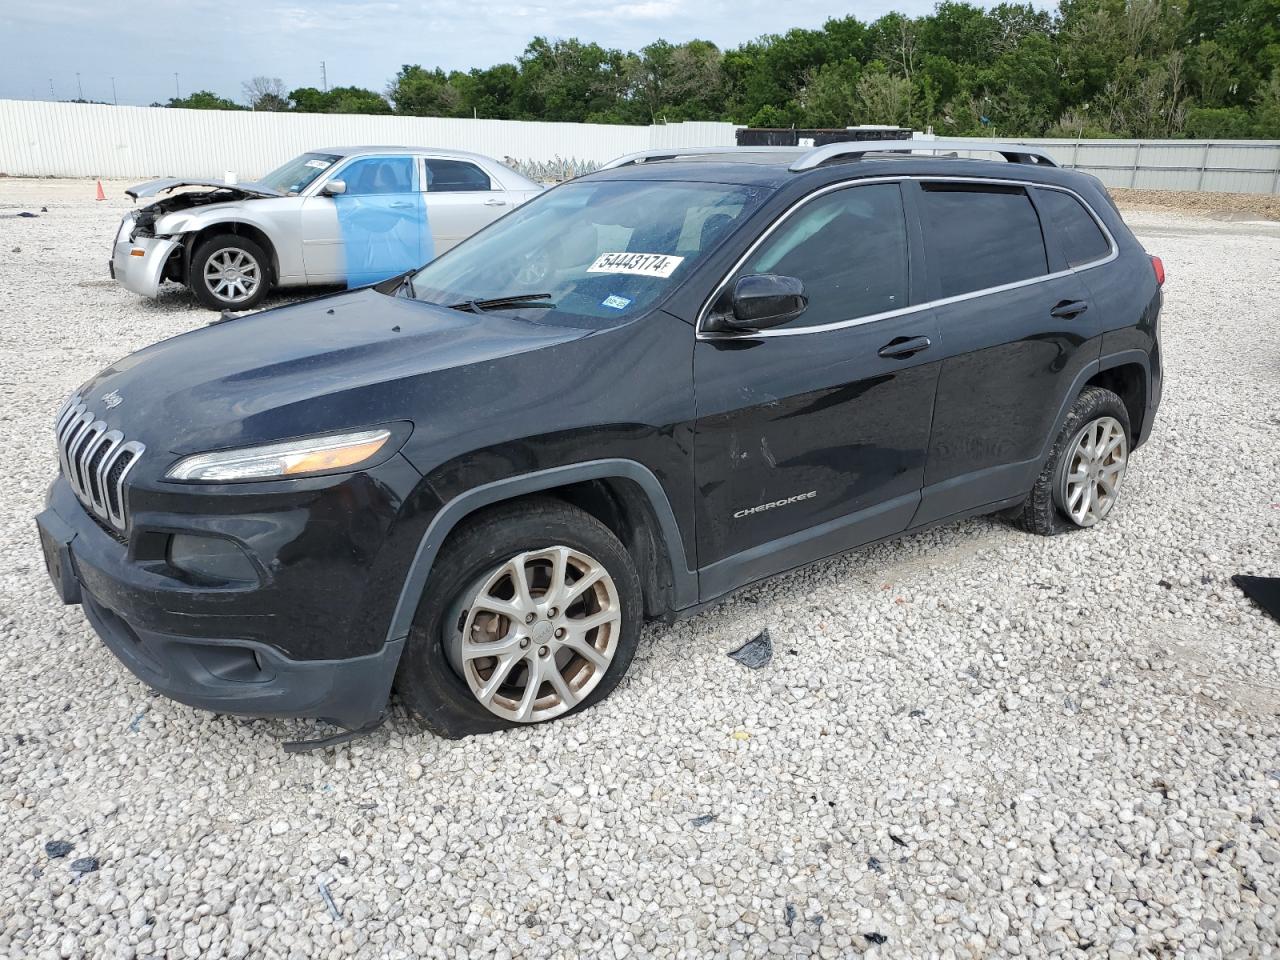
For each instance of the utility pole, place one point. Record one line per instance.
(324, 77)
(52, 95)
(114, 99)
(79, 86)
(177, 90)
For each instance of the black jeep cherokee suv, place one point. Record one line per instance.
(629, 397)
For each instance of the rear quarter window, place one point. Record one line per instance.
(1077, 231)
(979, 236)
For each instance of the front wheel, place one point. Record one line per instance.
(230, 272)
(532, 612)
(1080, 482)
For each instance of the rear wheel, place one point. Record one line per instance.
(532, 612)
(230, 272)
(1080, 482)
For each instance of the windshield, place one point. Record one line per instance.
(599, 249)
(296, 175)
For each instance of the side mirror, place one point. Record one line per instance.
(334, 188)
(757, 301)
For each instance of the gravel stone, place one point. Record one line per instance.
(1147, 814)
(57, 849)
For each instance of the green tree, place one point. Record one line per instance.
(676, 82)
(830, 95)
(1023, 88)
(1267, 116)
(1215, 75)
(1219, 123)
(883, 98)
(356, 100)
(309, 100)
(204, 100)
(420, 92)
(569, 80)
(490, 93)
(338, 100)
(771, 71)
(895, 41)
(958, 31)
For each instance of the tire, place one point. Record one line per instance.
(442, 683)
(1048, 509)
(247, 279)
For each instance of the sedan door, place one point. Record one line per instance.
(374, 229)
(461, 198)
(811, 437)
(1017, 326)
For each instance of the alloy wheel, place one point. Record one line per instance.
(534, 636)
(232, 275)
(1091, 476)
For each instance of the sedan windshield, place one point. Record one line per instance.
(296, 175)
(594, 250)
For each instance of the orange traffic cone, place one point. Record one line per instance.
(101, 195)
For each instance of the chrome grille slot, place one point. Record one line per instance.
(95, 461)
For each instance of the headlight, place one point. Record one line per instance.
(294, 458)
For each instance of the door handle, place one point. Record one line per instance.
(899, 348)
(1067, 309)
(401, 205)
(495, 202)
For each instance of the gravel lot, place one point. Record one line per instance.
(970, 743)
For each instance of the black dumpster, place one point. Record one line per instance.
(792, 136)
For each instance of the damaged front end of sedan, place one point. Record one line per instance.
(154, 243)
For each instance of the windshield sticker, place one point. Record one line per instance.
(318, 164)
(639, 264)
(616, 302)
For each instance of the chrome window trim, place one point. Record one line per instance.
(700, 334)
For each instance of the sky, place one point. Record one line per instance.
(77, 46)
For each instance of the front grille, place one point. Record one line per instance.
(96, 461)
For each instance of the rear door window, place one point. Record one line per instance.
(849, 248)
(979, 236)
(1082, 239)
(455, 176)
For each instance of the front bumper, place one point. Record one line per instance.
(139, 264)
(145, 623)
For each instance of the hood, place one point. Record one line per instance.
(165, 184)
(354, 359)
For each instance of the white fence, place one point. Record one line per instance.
(39, 138)
(1231, 166)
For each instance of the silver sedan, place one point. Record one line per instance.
(352, 215)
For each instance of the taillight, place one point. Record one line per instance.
(1158, 266)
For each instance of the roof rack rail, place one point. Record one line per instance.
(854, 149)
(671, 153)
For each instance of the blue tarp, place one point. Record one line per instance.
(383, 234)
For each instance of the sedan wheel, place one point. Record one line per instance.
(232, 275)
(1091, 475)
(537, 634)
